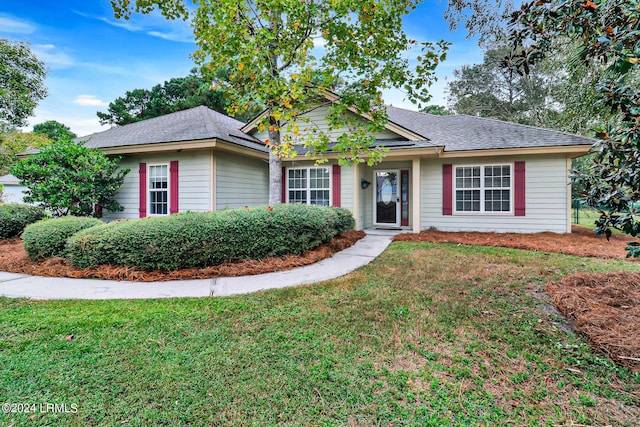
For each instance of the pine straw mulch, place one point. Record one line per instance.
(604, 307)
(581, 242)
(14, 259)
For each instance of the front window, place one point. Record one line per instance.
(483, 188)
(158, 189)
(311, 186)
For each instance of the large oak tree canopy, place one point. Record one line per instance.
(287, 53)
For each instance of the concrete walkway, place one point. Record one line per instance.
(36, 287)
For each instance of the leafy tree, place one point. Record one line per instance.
(176, 94)
(484, 19)
(438, 110)
(71, 179)
(607, 35)
(21, 83)
(54, 130)
(494, 89)
(269, 49)
(13, 143)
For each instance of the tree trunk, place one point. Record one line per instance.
(275, 166)
(275, 180)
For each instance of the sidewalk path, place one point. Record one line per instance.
(36, 287)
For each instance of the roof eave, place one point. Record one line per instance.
(571, 150)
(213, 143)
(396, 154)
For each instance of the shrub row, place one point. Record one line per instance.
(207, 239)
(15, 217)
(47, 239)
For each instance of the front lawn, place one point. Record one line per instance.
(428, 334)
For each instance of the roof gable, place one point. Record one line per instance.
(396, 129)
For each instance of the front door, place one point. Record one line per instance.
(386, 209)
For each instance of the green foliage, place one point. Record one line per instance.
(607, 37)
(558, 92)
(269, 49)
(1, 193)
(15, 217)
(344, 221)
(71, 179)
(484, 19)
(494, 89)
(47, 238)
(13, 143)
(174, 95)
(438, 110)
(21, 83)
(207, 239)
(54, 130)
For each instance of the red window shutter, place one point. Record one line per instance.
(143, 190)
(404, 198)
(447, 189)
(283, 181)
(335, 186)
(173, 180)
(519, 190)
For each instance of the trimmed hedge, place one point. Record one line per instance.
(207, 239)
(47, 239)
(345, 220)
(15, 217)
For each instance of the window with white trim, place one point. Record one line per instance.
(158, 176)
(311, 186)
(486, 188)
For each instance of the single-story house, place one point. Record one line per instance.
(455, 173)
(12, 189)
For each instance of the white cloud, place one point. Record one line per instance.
(81, 124)
(83, 127)
(52, 56)
(9, 24)
(173, 36)
(152, 24)
(89, 101)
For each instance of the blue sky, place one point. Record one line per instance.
(93, 58)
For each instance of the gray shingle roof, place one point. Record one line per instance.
(454, 133)
(194, 124)
(462, 132)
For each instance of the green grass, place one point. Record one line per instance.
(426, 335)
(586, 217)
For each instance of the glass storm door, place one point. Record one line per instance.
(387, 199)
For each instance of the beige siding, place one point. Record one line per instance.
(318, 121)
(346, 187)
(546, 198)
(193, 182)
(240, 181)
